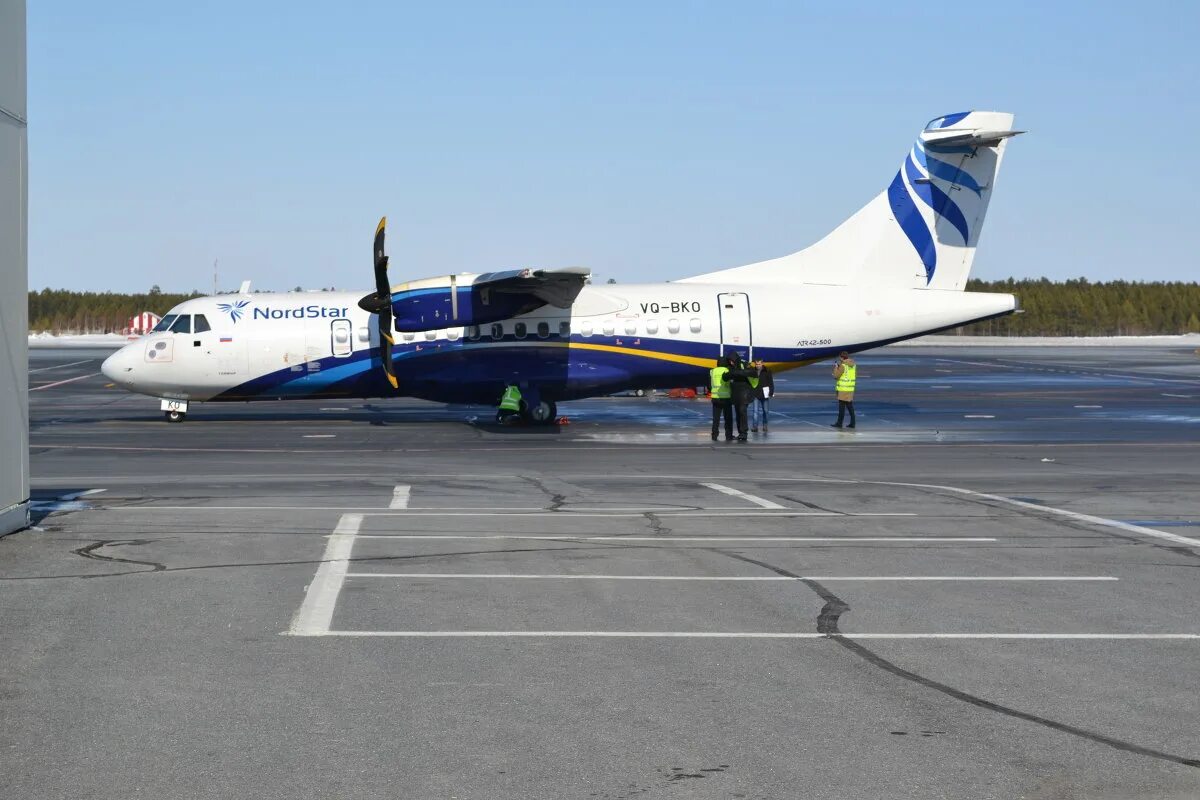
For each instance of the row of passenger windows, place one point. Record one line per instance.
(544, 330)
(183, 323)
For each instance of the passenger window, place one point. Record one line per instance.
(430, 335)
(651, 326)
(609, 328)
(585, 329)
(473, 333)
(497, 331)
(543, 330)
(364, 334)
(164, 324)
(519, 330)
(564, 330)
(631, 327)
(201, 324)
(694, 325)
(407, 336)
(673, 326)
(183, 324)
(453, 333)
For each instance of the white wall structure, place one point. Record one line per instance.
(14, 278)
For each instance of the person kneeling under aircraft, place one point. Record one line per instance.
(511, 406)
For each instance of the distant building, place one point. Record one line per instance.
(142, 323)
(14, 273)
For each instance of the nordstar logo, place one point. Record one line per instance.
(234, 310)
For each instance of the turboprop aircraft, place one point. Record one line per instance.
(894, 270)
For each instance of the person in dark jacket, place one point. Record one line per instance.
(742, 390)
(766, 388)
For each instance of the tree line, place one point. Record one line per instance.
(1079, 307)
(1075, 307)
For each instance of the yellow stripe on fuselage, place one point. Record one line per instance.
(692, 361)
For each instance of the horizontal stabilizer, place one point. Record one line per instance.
(975, 138)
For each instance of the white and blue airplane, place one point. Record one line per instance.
(894, 270)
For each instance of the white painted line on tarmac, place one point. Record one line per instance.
(1184, 396)
(1089, 406)
(60, 383)
(374, 511)
(734, 578)
(62, 366)
(979, 416)
(566, 537)
(400, 496)
(758, 501)
(769, 635)
(1088, 518)
(316, 613)
(85, 493)
(320, 435)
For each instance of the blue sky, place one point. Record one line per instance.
(647, 141)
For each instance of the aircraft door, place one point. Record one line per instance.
(736, 330)
(342, 338)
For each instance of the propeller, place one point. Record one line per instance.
(379, 303)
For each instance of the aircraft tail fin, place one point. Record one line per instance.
(921, 232)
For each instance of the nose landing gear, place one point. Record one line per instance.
(174, 410)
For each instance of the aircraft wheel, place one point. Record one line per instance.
(174, 416)
(544, 413)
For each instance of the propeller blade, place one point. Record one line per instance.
(382, 287)
(385, 346)
(380, 304)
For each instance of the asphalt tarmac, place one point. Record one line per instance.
(988, 590)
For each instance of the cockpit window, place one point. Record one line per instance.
(183, 324)
(164, 324)
(201, 324)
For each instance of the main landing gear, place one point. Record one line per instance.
(543, 412)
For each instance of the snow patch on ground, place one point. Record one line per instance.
(113, 340)
(1182, 340)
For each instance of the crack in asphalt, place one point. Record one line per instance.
(827, 623)
(90, 551)
(656, 524)
(556, 500)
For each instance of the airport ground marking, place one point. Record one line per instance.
(62, 366)
(739, 578)
(375, 511)
(566, 537)
(400, 496)
(758, 501)
(316, 612)
(1187, 637)
(60, 383)
(1075, 515)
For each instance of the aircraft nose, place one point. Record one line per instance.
(118, 367)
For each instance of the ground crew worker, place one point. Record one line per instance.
(722, 406)
(510, 406)
(740, 374)
(761, 403)
(844, 372)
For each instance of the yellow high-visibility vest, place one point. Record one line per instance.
(845, 381)
(716, 379)
(511, 400)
